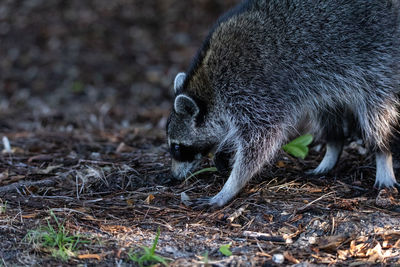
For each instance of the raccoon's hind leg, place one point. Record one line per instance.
(333, 129)
(380, 138)
(384, 170)
(332, 154)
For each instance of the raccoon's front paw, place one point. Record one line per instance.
(207, 203)
(386, 184)
(385, 180)
(201, 203)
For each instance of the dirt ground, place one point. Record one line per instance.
(85, 91)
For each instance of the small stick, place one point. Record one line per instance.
(264, 236)
(312, 202)
(15, 186)
(237, 213)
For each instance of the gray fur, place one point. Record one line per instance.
(185, 105)
(268, 65)
(179, 80)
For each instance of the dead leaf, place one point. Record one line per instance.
(375, 254)
(359, 250)
(149, 199)
(343, 254)
(220, 216)
(330, 242)
(280, 164)
(130, 202)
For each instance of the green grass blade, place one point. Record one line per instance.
(211, 169)
(153, 248)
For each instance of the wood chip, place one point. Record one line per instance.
(149, 199)
(331, 242)
(237, 213)
(90, 256)
(290, 257)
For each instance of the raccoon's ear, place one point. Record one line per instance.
(186, 106)
(178, 82)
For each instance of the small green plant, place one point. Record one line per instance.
(77, 87)
(57, 239)
(299, 146)
(211, 169)
(225, 249)
(148, 255)
(3, 207)
(205, 258)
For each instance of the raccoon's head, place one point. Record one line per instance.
(187, 139)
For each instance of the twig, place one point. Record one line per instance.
(70, 210)
(15, 186)
(264, 236)
(4, 262)
(312, 202)
(237, 213)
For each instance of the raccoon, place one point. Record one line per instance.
(267, 66)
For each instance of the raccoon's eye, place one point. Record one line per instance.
(175, 150)
(183, 153)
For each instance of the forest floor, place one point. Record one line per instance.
(85, 92)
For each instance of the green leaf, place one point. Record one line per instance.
(224, 249)
(303, 140)
(296, 151)
(299, 146)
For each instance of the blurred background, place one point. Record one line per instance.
(71, 65)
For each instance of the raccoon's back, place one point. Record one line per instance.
(273, 42)
(351, 29)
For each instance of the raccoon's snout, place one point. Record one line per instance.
(182, 169)
(184, 160)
